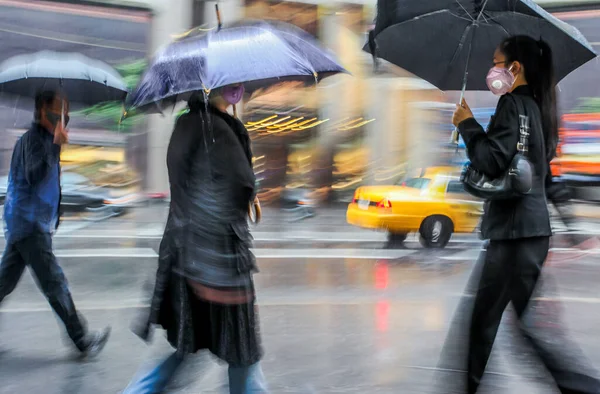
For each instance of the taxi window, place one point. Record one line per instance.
(416, 183)
(455, 187)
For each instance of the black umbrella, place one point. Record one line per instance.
(83, 80)
(451, 42)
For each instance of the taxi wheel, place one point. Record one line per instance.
(435, 232)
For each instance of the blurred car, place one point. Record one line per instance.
(80, 195)
(434, 204)
(297, 202)
(577, 164)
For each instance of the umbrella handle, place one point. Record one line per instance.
(454, 138)
(219, 22)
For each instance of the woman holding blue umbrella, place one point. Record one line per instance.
(204, 294)
(518, 229)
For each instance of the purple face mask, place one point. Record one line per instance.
(500, 80)
(233, 93)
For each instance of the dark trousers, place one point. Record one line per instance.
(510, 273)
(36, 252)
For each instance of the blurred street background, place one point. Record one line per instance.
(335, 163)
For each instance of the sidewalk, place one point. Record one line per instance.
(273, 219)
(327, 229)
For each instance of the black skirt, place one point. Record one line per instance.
(230, 332)
(207, 316)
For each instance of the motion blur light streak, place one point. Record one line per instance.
(310, 126)
(345, 185)
(303, 123)
(279, 126)
(250, 124)
(356, 125)
(273, 124)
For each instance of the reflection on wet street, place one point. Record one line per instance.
(333, 318)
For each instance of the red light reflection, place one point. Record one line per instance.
(381, 276)
(382, 312)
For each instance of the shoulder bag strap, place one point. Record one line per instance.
(524, 125)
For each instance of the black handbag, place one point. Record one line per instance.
(516, 182)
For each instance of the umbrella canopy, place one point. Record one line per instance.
(83, 80)
(256, 53)
(442, 41)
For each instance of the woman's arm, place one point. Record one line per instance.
(492, 152)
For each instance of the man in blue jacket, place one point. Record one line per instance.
(31, 214)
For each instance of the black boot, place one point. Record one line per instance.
(93, 343)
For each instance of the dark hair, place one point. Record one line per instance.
(536, 58)
(43, 99)
(196, 102)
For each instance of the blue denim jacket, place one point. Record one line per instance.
(33, 192)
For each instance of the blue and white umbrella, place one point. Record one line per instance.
(258, 54)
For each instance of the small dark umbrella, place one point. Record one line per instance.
(450, 43)
(444, 41)
(83, 80)
(256, 53)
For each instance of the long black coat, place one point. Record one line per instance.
(492, 153)
(206, 239)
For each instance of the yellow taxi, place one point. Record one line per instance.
(434, 204)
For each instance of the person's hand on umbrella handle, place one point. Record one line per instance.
(255, 211)
(463, 112)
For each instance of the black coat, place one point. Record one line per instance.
(492, 153)
(206, 239)
(212, 183)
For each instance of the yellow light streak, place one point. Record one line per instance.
(356, 125)
(286, 124)
(261, 121)
(310, 125)
(305, 122)
(349, 123)
(276, 122)
(346, 185)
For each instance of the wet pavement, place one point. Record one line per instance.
(336, 317)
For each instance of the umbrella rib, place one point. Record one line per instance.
(482, 9)
(483, 15)
(460, 46)
(465, 10)
(492, 19)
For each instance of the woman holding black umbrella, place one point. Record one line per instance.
(204, 294)
(518, 229)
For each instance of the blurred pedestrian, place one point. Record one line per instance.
(204, 292)
(31, 214)
(518, 230)
(560, 196)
